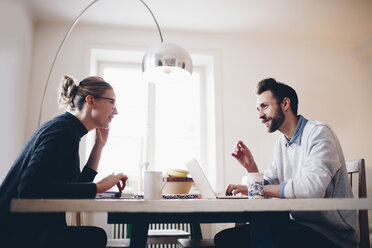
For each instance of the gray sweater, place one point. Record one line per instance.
(312, 165)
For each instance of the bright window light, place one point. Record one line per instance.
(177, 123)
(124, 147)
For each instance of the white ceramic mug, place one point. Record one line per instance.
(255, 184)
(153, 185)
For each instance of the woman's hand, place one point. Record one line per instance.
(234, 189)
(95, 154)
(110, 181)
(244, 156)
(102, 136)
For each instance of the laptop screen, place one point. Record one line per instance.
(200, 180)
(203, 184)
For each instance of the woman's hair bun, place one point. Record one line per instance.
(67, 91)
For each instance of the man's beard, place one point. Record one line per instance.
(276, 121)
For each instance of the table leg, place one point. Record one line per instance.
(139, 234)
(195, 231)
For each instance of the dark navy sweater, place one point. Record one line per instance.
(48, 167)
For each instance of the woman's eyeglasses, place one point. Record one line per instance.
(113, 101)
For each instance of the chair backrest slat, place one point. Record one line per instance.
(353, 166)
(357, 175)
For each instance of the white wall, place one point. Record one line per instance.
(15, 53)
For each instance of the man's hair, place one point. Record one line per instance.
(279, 91)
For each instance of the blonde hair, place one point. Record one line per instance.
(72, 94)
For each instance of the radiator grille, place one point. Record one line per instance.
(119, 231)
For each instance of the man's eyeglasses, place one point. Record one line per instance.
(108, 98)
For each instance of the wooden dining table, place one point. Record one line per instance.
(140, 213)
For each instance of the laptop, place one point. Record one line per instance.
(203, 184)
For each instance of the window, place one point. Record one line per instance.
(163, 124)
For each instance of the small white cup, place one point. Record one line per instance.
(255, 184)
(153, 185)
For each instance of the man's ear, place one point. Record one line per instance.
(286, 104)
(89, 99)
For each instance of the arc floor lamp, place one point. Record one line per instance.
(162, 62)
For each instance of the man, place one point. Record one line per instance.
(308, 163)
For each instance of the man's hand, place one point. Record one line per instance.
(244, 156)
(271, 191)
(101, 136)
(234, 189)
(109, 181)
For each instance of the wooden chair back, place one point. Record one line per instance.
(357, 176)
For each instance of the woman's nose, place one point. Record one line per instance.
(115, 111)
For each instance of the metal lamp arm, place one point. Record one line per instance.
(65, 38)
(153, 17)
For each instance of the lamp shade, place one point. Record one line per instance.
(166, 62)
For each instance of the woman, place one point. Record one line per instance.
(48, 167)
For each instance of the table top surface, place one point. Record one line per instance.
(187, 205)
